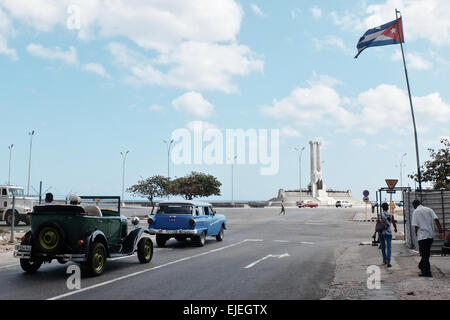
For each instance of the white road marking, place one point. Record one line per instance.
(9, 266)
(284, 241)
(279, 256)
(124, 257)
(304, 242)
(150, 269)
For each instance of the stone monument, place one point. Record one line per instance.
(318, 188)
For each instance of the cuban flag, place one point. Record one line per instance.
(389, 33)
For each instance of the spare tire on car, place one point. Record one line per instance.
(49, 238)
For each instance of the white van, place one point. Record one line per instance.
(343, 204)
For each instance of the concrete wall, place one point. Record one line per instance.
(291, 196)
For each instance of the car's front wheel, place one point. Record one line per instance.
(145, 250)
(161, 240)
(96, 261)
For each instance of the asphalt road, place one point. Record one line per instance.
(263, 256)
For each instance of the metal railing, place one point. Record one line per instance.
(439, 201)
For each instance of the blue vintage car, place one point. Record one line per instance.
(186, 219)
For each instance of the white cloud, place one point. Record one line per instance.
(289, 132)
(6, 29)
(69, 57)
(150, 24)
(194, 104)
(97, 69)
(385, 107)
(414, 60)
(331, 42)
(316, 12)
(42, 15)
(256, 10)
(56, 53)
(308, 106)
(192, 65)
(323, 79)
(426, 20)
(194, 42)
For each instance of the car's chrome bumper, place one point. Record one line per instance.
(65, 257)
(174, 232)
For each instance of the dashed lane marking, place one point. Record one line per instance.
(151, 269)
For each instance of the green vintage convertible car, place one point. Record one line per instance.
(82, 233)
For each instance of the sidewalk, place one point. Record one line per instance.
(399, 282)
(7, 248)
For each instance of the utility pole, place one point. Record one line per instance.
(168, 145)
(300, 170)
(401, 169)
(124, 157)
(9, 167)
(31, 134)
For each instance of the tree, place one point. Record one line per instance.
(195, 185)
(151, 188)
(437, 169)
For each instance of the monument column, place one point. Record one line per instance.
(318, 162)
(313, 168)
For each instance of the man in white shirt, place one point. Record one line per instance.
(423, 220)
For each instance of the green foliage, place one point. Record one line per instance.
(437, 169)
(151, 188)
(195, 185)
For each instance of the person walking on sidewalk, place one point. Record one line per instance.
(385, 236)
(283, 211)
(423, 220)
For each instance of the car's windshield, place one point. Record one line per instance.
(16, 192)
(174, 209)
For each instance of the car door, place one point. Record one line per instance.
(114, 229)
(3, 198)
(209, 220)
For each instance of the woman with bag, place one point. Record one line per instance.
(383, 227)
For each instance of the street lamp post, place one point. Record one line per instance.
(9, 166)
(401, 170)
(168, 145)
(300, 169)
(31, 134)
(124, 157)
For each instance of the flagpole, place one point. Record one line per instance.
(419, 175)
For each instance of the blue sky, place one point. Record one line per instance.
(135, 71)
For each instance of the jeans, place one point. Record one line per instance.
(424, 250)
(386, 248)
